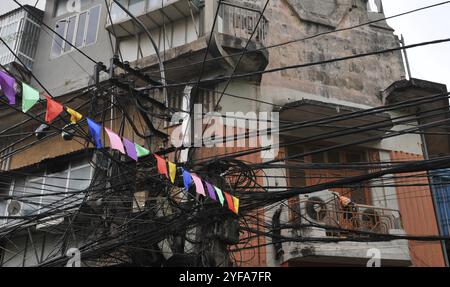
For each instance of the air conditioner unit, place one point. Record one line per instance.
(14, 208)
(18, 208)
(317, 207)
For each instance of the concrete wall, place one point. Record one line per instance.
(71, 71)
(355, 82)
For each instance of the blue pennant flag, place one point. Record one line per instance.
(187, 179)
(96, 132)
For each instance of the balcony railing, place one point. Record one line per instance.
(239, 19)
(357, 217)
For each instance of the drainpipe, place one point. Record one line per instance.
(433, 193)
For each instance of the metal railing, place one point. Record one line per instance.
(356, 217)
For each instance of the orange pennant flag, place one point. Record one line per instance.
(230, 201)
(54, 109)
(162, 166)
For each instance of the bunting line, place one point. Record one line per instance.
(30, 97)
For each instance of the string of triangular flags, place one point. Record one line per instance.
(168, 169)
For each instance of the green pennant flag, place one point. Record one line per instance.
(141, 151)
(219, 194)
(29, 97)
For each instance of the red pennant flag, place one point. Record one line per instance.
(54, 109)
(230, 201)
(162, 166)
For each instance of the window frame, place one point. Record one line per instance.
(75, 33)
(43, 174)
(88, 22)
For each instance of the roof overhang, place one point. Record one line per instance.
(405, 90)
(430, 112)
(182, 62)
(312, 110)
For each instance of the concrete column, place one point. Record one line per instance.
(210, 12)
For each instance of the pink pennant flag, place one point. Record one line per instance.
(115, 141)
(198, 184)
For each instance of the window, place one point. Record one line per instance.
(333, 157)
(116, 12)
(354, 157)
(79, 40)
(9, 34)
(52, 188)
(318, 158)
(79, 30)
(137, 7)
(70, 33)
(91, 31)
(29, 40)
(207, 96)
(154, 5)
(58, 41)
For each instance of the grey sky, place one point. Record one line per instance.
(433, 62)
(430, 63)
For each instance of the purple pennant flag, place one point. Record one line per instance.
(211, 192)
(130, 148)
(7, 84)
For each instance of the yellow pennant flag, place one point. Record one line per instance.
(74, 116)
(172, 171)
(236, 204)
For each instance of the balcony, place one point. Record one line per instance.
(239, 19)
(183, 57)
(20, 30)
(324, 209)
(152, 13)
(359, 217)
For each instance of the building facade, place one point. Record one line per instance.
(242, 41)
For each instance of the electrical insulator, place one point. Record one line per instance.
(68, 132)
(41, 131)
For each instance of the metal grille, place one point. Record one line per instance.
(21, 33)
